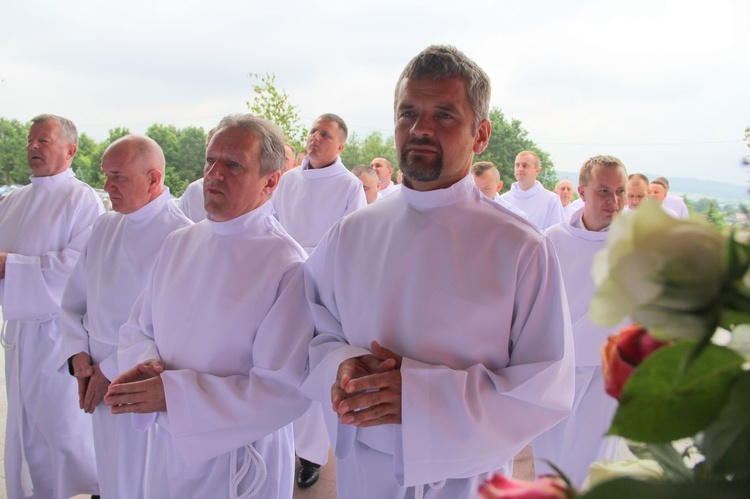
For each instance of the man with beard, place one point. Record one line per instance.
(464, 354)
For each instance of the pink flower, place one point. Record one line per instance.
(622, 353)
(546, 487)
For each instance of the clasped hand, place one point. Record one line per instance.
(139, 390)
(92, 383)
(367, 391)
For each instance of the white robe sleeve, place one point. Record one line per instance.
(211, 415)
(455, 422)
(75, 338)
(34, 284)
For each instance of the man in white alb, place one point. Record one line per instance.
(109, 276)
(440, 375)
(384, 169)
(370, 182)
(579, 440)
(310, 199)
(218, 337)
(674, 205)
(49, 449)
(319, 192)
(529, 195)
(564, 190)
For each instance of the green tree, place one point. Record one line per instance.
(192, 152)
(178, 175)
(714, 215)
(507, 140)
(84, 164)
(361, 152)
(273, 104)
(13, 166)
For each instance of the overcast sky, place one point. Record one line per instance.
(664, 85)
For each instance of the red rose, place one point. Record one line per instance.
(622, 353)
(502, 487)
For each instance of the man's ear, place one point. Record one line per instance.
(484, 130)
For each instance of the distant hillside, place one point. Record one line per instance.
(693, 188)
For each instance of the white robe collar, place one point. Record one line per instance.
(52, 180)
(336, 168)
(576, 228)
(425, 200)
(146, 213)
(521, 194)
(250, 223)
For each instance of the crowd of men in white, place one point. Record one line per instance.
(437, 331)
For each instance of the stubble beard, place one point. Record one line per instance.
(418, 169)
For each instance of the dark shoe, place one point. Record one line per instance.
(307, 474)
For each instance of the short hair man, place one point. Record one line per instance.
(487, 180)
(669, 202)
(638, 187)
(451, 327)
(528, 194)
(100, 294)
(370, 181)
(313, 197)
(219, 334)
(44, 227)
(384, 169)
(578, 441)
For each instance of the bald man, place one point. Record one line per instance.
(101, 292)
(564, 190)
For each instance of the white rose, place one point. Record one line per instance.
(663, 272)
(640, 469)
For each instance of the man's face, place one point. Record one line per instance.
(129, 183)
(564, 189)
(371, 186)
(47, 151)
(526, 170)
(380, 165)
(233, 185)
(604, 196)
(435, 136)
(657, 191)
(289, 160)
(487, 184)
(637, 192)
(325, 142)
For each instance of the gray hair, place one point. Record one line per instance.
(440, 62)
(272, 152)
(586, 173)
(360, 170)
(69, 130)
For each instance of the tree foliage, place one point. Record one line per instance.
(273, 104)
(507, 140)
(363, 151)
(13, 166)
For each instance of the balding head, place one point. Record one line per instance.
(564, 189)
(134, 167)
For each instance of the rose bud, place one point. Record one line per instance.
(622, 353)
(502, 487)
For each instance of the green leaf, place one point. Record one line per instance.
(726, 442)
(627, 487)
(660, 405)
